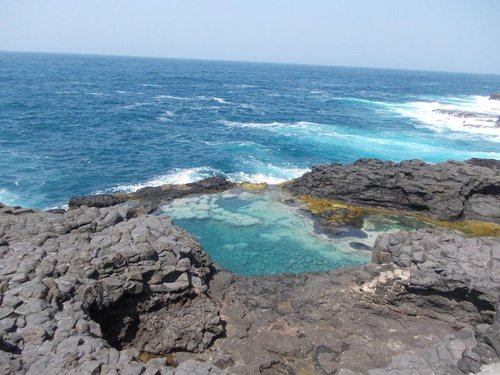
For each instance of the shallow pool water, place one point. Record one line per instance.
(255, 233)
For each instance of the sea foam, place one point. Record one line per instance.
(9, 198)
(166, 116)
(473, 115)
(176, 176)
(268, 173)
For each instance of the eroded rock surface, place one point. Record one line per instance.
(150, 196)
(426, 307)
(312, 324)
(449, 277)
(86, 291)
(444, 191)
(111, 290)
(444, 264)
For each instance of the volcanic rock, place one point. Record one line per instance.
(444, 191)
(150, 197)
(111, 290)
(86, 291)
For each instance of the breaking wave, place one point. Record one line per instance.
(474, 115)
(268, 173)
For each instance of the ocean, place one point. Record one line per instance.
(77, 124)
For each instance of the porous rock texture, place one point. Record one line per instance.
(151, 196)
(444, 263)
(92, 290)
(86, 291)
(453, 278)
(112, 290)
(445, 191)
(425, 307)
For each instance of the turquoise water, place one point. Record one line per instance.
(254, 233)
(75, 125)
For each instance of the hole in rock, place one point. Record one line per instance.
(160, 323)
(119, 322)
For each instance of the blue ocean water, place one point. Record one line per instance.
(74, 124)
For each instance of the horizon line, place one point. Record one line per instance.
(246, 61)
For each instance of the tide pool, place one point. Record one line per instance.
(256, 233)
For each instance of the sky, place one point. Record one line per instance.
(444, 35)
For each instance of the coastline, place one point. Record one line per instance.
(109, 281)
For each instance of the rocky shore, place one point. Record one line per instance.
(446, 191)
(108, 288)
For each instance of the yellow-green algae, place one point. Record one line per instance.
(253, 185)
(345, 213)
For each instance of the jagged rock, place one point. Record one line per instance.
(445, 191)
(394, 319)
(150, 197)
(77, 291)
(215, 183)
(446, 264)
(103, 200)
(488, 163)
(98, 289)
(457, 113)
(495, 96)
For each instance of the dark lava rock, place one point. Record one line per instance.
(151, 196)
(100, 200)
(359, 246)
(486, 163)
(169, 192)
(495, 96)
(384, 319)
(84, 292)
(445, 191)
(444, 264)
(457, 113)
(56, 210)
(157, 194)
(95, 290)
(104, 290)
(215, 183)
(455, 276)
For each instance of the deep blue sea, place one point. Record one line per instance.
(73, 124)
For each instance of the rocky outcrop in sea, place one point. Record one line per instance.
(112, 289)
(446, 191)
